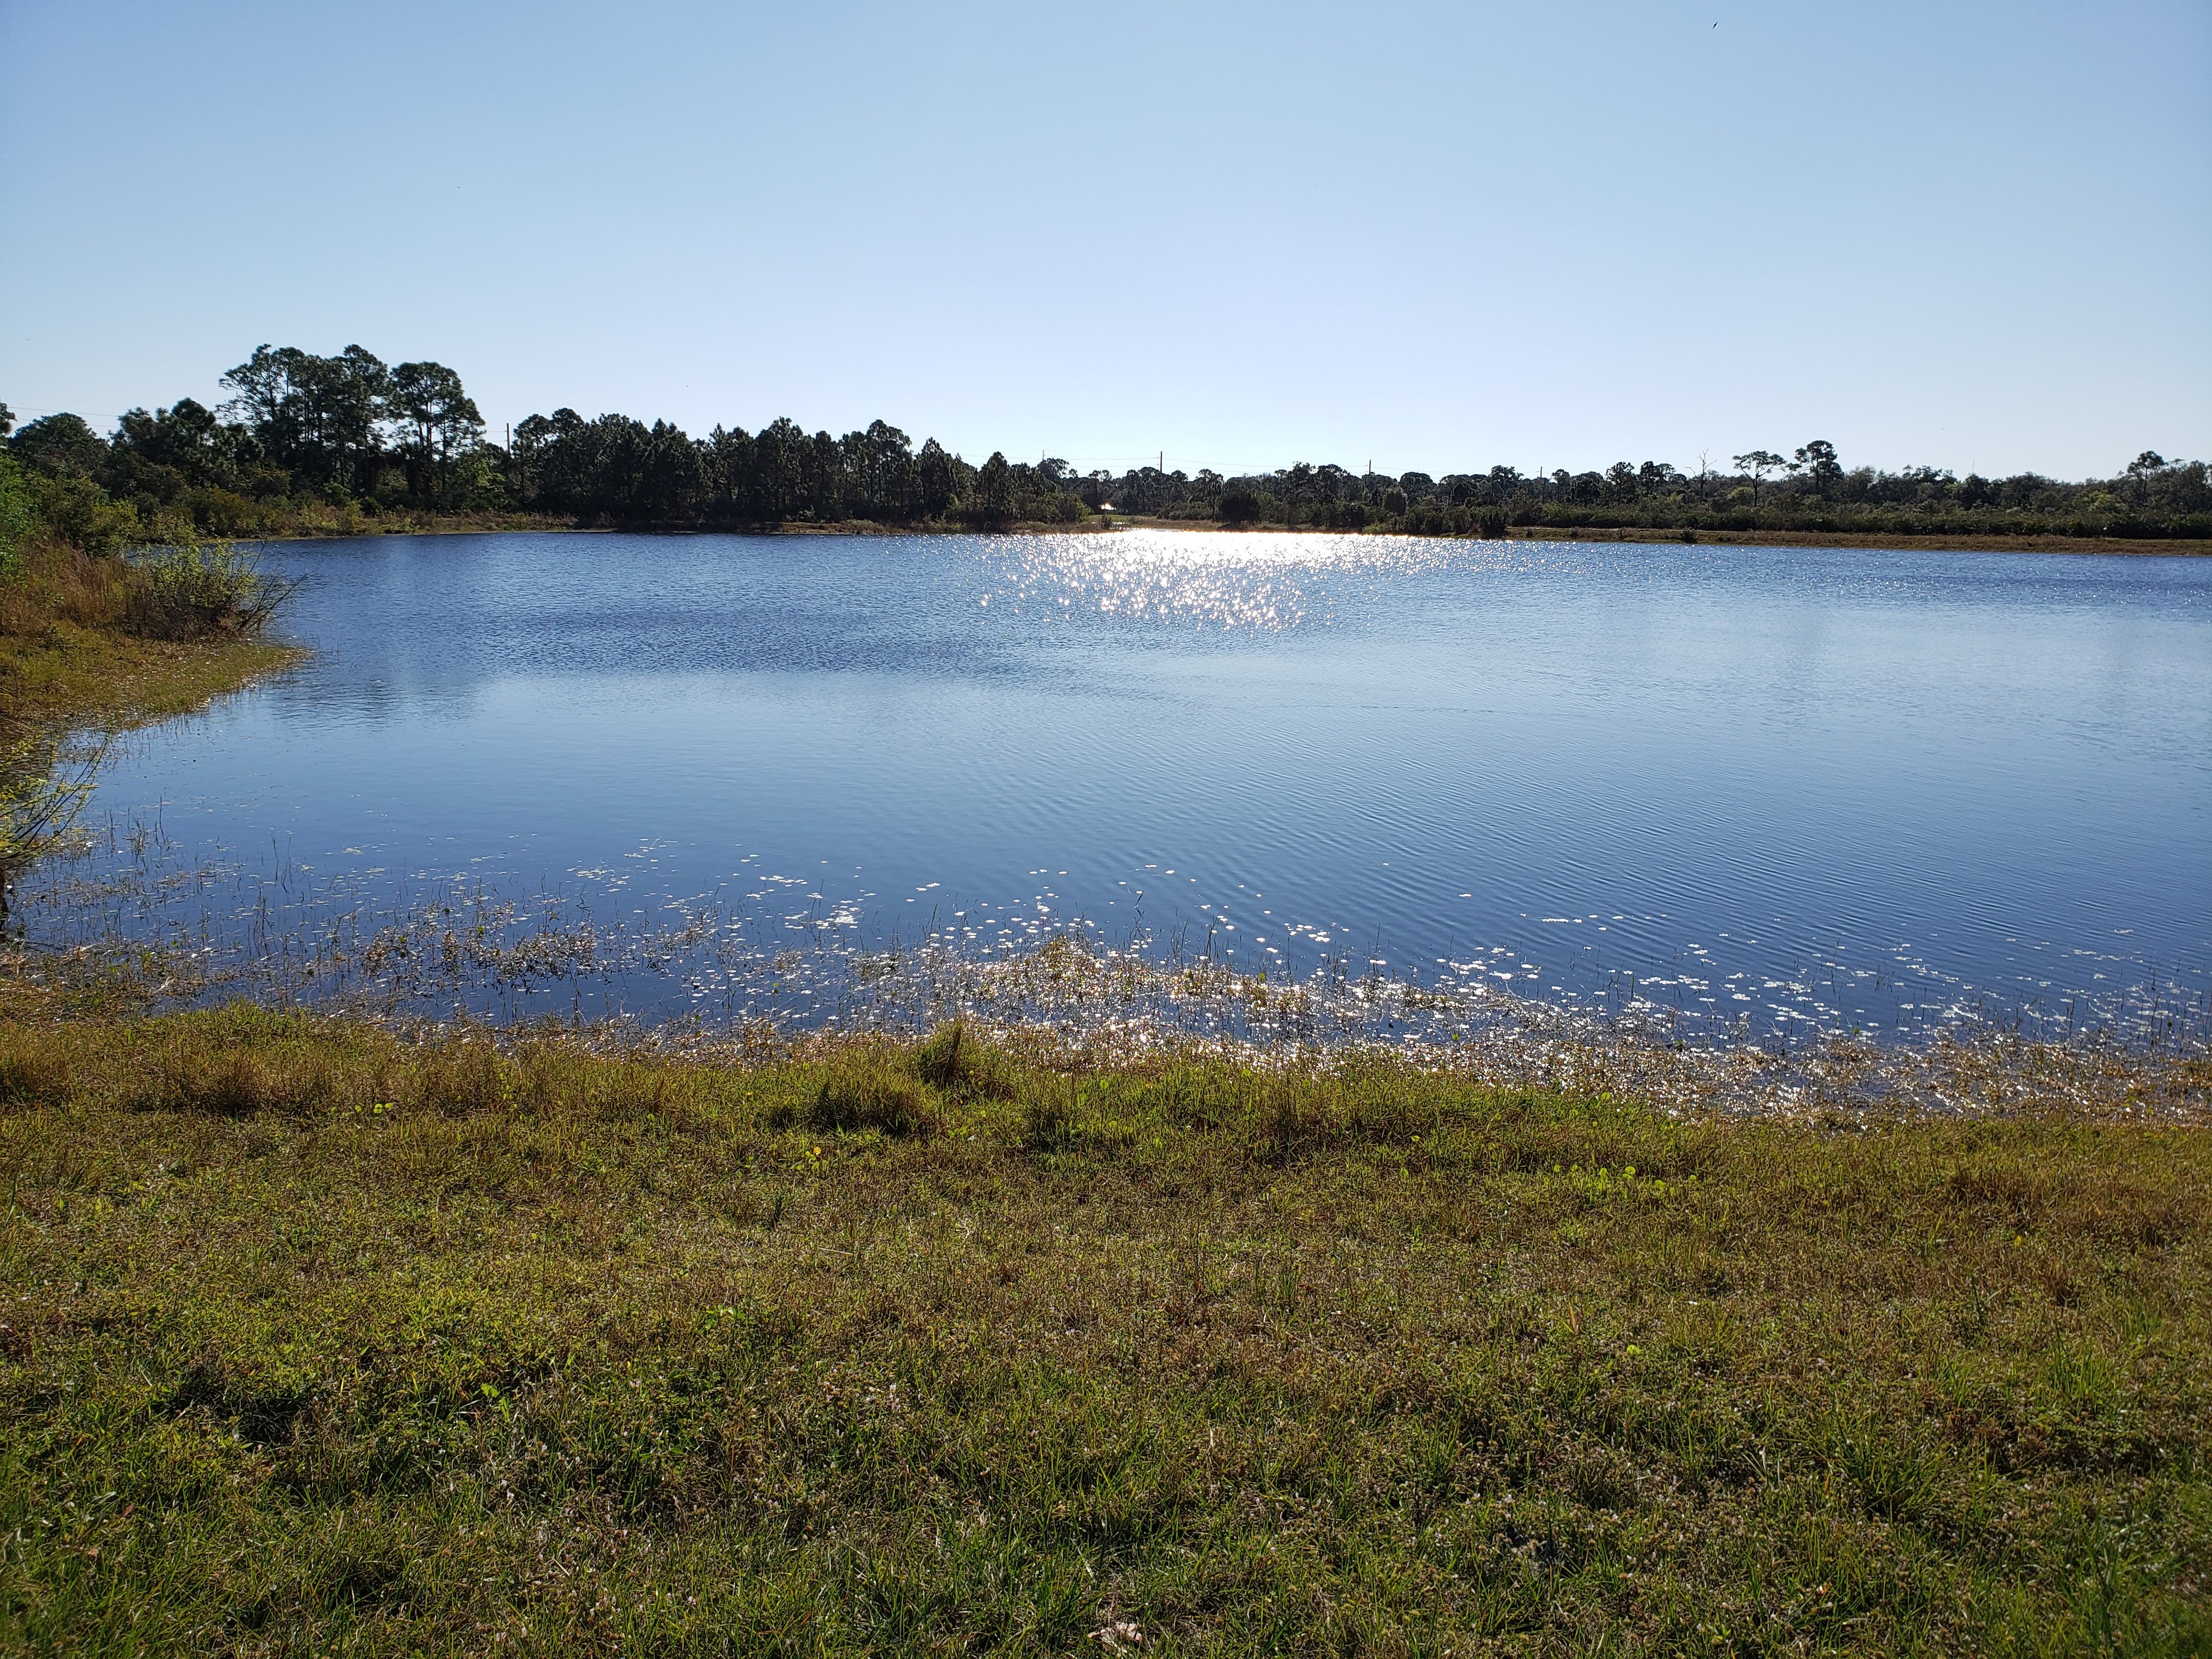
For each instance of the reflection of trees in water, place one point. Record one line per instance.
(428, 692)
(45, 778)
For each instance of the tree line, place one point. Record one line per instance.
(345, 442)
(1807, 489)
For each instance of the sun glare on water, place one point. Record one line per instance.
(1255, 580)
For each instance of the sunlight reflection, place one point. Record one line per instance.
(1254, 580)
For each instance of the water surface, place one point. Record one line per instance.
(1778, 787)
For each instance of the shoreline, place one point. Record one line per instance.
(84, 679)
(1102, 525)
(1662, 537)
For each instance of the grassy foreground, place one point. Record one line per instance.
(316, 1341)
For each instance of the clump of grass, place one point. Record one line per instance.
(33, 1072)
(314, 1338)
(863, 1092)
(1049, 1122)
(954, 1060)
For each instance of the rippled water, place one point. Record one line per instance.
(1771, 789)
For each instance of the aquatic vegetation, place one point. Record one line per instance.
(741, 982)
(44, 782)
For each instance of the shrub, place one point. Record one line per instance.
(224, 512)
(79, 511)
(195, 589)
(18, 517)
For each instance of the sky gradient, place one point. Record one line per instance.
(1430, 236)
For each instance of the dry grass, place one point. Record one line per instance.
(61, 584)
(68, 655)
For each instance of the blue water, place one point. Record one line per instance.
(1842, 786)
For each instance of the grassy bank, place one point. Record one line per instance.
(89, 676)
(316, 1341)
(85, 642)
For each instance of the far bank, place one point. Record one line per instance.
(483, 524)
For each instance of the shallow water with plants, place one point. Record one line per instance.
(1743, 793)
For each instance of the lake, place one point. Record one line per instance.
(1769, 789)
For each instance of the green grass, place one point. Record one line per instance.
(318, 1342)
(69, 674)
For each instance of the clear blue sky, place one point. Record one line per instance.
(1439, 236)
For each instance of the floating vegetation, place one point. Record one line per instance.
(786, 968)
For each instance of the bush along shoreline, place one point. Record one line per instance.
(306, 445)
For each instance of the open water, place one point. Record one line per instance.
(1773, 788)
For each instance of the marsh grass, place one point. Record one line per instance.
(316, 1339)
(44, 782)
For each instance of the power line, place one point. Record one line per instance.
(29, 409)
